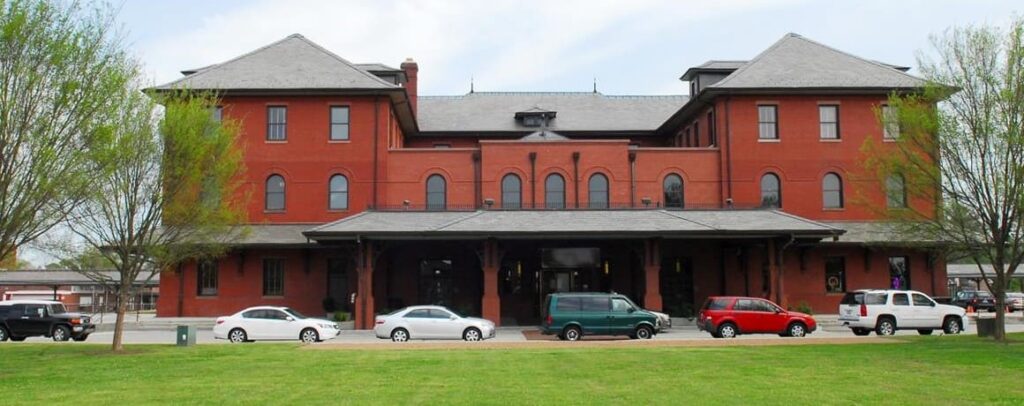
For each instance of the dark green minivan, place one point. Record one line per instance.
(573, 315)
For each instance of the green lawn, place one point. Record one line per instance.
(927, 370)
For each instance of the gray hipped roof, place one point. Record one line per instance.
(797, 62)
(582, 111)
(293, 63)
(65, 277)
(571, 223)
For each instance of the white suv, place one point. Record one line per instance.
(886, 311)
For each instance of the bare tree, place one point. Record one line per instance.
(59, 66)
(163, 193)
(960, 152)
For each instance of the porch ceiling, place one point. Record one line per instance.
(571, 224)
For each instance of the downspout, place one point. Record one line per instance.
(728, 150)
(632, 179)
(376, 136)
(181, 290)
(576, 177)
(533, 180)
(477, 175)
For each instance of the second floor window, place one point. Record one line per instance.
(217, 113)
(896, 192)
(274, 198)
(890, 123)
(511, 192)
(712, 141)
(554, 191)
(832, 191)
(339, 123)
(339, 193)
(277, 123)
(828, 116)
(768, 122)
(673, 190)
(598, 197)
(771, 191)
(436, 193)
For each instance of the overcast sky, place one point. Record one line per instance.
(629, 46)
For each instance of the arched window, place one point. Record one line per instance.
(436, 193)
(338, 193)
(896, 191)
(274, 197)
(511, 192)
(832, 191)
(673, 189)
(598, 198)
(771, 191)
(554, 191)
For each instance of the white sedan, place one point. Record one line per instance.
(273, 323)
(431, 322)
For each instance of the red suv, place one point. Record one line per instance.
(727, 317)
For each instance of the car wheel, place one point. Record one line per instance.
(309, 336)
(644, 333)
(61, 333)
(925, 331)
(885, 327)
(3, 334)
(858, 331)
(80, 338)
(952, 326)
(471, 334)
(237, 336)
(727, 330)
(796, 330)
(572, 333)
(400, 335)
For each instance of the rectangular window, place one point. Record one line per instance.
(277, 122)
(273, 277)
(217, 113)
(890, 123)
(835, 275)
(696, 134)
(206, 272)
(686, 143)
(339, 123)
(711, 129)
(899, 272)
(768, 122)
(828, 116)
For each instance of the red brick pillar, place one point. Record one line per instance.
(491, 303)
(364, 314)
(652, 277)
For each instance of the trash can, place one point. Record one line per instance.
(186, 336)
(986, 326)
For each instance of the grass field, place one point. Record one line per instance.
(925, 370)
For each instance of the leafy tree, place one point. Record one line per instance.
(60, 65)
(960, 151)
(164, 193)
(88, 259)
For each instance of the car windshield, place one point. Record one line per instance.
(294, 313)
(56, 309)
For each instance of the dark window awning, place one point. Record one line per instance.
(572, 224)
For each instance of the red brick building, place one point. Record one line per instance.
(370, 196)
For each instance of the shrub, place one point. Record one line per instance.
(804, 307)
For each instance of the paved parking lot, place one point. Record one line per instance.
(505, 334)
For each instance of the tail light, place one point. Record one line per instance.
(549, 320)
(380, 321)
(863, 310)
(76, 321)
(220, 321)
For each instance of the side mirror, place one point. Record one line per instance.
(290, 318)
(630, 310)
(452, 317)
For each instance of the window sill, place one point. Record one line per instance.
(339, 141)
(769, 140)
(273, 212)
(833, 209)
(338, 210)
(272, 297)
(835, 293)
(831, 140)
(888, 139)
(275, 141)
(207, 297)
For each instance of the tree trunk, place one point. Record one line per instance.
(122, 306)
(1000, 332)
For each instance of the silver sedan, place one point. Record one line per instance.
(431, 322)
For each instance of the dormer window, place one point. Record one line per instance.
(535, 117)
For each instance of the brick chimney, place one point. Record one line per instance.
(411, 70)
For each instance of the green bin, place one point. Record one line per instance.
(186, 336)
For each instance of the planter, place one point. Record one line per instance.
(986, 326)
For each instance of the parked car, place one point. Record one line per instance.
(978, 299)
(664, 322)
(570, 316)
(431, 322)
(273, 323)
(20, 319)
(730, 316)
(1015, 301)
(885, 311)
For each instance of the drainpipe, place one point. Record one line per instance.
(477, 175)
(576, 176)
(632, 179)
(533, 180)
(376, 136)
(728, 149)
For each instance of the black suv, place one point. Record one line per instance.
(978, 299)
(29, 318)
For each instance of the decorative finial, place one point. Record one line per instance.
(471, 84)
(595, 84)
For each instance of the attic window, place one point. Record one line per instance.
(533, 121)
(535, 117)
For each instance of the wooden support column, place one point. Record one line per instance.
(773, 270)
(652, 270)
(364, 317)
(491, 302)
